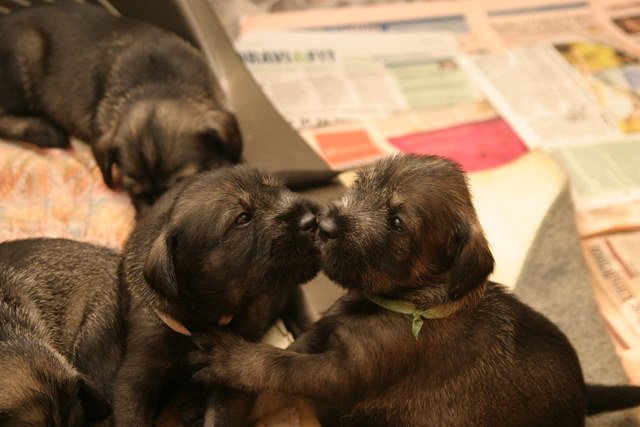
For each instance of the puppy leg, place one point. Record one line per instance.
(329, 376)
(33, 129)
(24, 51)
(98, 348)
(149, 369)
(137, 388)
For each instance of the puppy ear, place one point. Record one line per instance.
(222, 129)
(159, 270)
(96, 408)
(106, 152)
(472, 263)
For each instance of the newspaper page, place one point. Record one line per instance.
(318, 79)
(545, 99)
(620, 217)
(624, 15)
(602, 174)
(614, 261)
(534, 22)
(457, 17)
(481, 26)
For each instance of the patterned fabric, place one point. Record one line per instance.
(59, 193)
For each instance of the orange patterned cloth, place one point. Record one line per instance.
(59, 193)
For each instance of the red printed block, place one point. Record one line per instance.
(474, 146)
(341, 148)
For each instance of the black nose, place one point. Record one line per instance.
(328, 228)
(308, 223)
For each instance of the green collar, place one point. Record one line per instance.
(402, 307)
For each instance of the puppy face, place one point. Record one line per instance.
(232, 234)
(406, 223)
(40, 388)
(159, 143)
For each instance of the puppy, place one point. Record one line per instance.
(59, 334)
(422, 337)
(224, 249)
(143, 98)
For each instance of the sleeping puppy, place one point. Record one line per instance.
(143, 98)
(59, 335)
(224, 249)
(422, 337)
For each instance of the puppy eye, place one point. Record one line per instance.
(396, 223)
(243, 219)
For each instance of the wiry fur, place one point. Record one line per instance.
(407, 231)
(60, 336)
(144, 98)
(188, 259)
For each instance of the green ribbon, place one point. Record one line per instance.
(403, 307)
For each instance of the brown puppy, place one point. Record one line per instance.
(60, 336)
(422, 338)
(142, 97)
(224, 249)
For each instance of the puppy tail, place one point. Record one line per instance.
(601, 398)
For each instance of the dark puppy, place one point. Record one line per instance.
(59, 334)
(422, 337)
(143, 98)
(225, 248)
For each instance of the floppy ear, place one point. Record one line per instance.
(96, 408)
(159, 270)
(472, 263)
(106, 152)
(222, 129)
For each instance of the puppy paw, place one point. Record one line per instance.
(45, 135)
(212, 359)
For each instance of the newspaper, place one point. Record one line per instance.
(545, 99)
(619, 217)
(559, 73)
(614, 261)
(548, 93)
(581, 102)
(624, 15)
(481, 26)
(471, 134)
(574, 91)
(602, 174)
(318, 79)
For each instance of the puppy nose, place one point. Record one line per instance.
(308, 223)
(328, 228)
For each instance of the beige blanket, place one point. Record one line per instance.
(59, 193)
